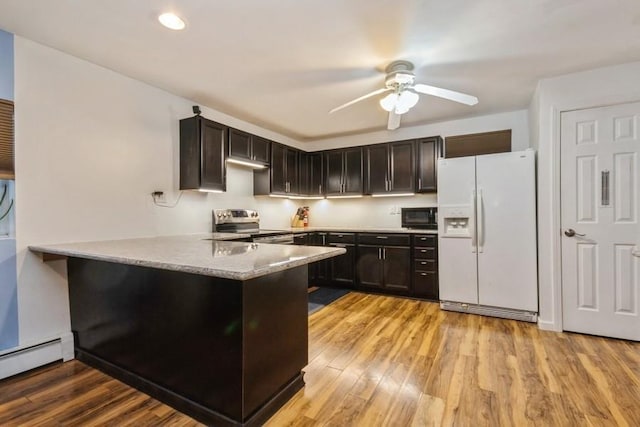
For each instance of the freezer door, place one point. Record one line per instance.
(457, 259)
(506, 230)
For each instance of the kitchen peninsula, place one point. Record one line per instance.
(216, 329)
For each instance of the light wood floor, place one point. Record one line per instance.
(378, 360)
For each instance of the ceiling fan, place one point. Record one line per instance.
(400, 81)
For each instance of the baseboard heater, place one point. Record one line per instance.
(504, 313)
(28, 358)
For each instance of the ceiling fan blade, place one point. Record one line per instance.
(446, 94)
(369, 95)
(394, 120)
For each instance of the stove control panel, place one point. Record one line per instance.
(235, 216)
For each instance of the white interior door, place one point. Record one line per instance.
(600, 187)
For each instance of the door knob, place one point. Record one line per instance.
(571, 232)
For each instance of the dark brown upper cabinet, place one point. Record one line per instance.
(282, 178)
(203, 148)
(247, 147)
(428, 150)
(390, 168)
(343, 172)
(310, 168)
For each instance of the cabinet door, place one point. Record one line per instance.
(353, 171)
(239, 144)
(370, 266)
(304, 173)
(213, 142)
(343, 266)
(333, 168)
(292, 171)
(301, 239)
(402, 167)
(425, 285)
(377, 168)
(315, 175)
(278, 169)
(429, 150)
(397, 268)
(260, 150)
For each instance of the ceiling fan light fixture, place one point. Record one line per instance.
(388, 103)
(406, 101)
(403, 78)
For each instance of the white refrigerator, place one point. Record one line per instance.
(487, 253)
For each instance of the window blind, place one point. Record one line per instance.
(6, 140)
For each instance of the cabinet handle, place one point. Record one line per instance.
(324, 241)
(419, 183)
(320, 189)
(384, 253)
(423, 274)
(423, 251)
(379, 253)
(339, 245)
(381, 237)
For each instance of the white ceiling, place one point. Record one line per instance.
(284, 64)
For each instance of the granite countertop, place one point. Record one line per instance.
(201, 254)
(362, 230)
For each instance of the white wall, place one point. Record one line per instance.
(517, 121)
(91, 145)
(594, 88)
(366, 212)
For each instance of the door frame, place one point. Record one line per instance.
(555, 110)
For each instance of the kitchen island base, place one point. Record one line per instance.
(226, 352)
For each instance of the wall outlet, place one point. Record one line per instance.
(392, 210)
(159, 196)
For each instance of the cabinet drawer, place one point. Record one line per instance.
(429, 265)
(425, 240)
(425, 285)
(384, 239)
(341, 238)
(425, 253)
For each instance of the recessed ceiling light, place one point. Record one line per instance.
(171, 21)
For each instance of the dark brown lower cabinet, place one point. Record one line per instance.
(398, 264)
(384, 268)
(370, 267)
(319, 271)
(343, 271)
(425, 266)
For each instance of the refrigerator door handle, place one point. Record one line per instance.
(472, 222)
(480, 224)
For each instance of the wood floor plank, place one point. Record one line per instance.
(385, 361)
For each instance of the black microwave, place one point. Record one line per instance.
(423, 218)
